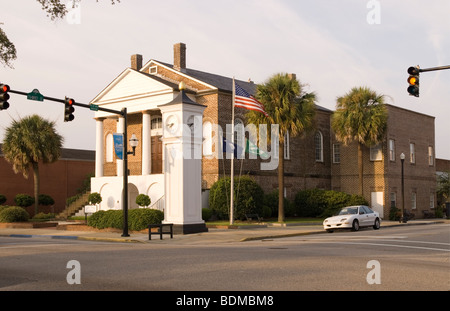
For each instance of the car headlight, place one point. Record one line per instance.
(343, 219)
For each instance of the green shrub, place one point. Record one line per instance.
(138, 219)
(271, 202)
(248, 197)
(45, 199)
(13, 214)
(2, 199)
(44, 216)
(324, 203)
(206, 214)
(95, 198)
(24, 200)
(143, 200)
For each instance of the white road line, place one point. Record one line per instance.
(395, 245)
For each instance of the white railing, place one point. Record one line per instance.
(159, 204)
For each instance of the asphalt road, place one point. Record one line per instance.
(400, 258)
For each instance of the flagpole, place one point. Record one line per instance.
(232, 158)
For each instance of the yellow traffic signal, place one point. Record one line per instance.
(413, 81)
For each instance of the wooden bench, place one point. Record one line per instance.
(160, 230)
(253, 217)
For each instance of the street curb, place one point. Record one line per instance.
(279, 236)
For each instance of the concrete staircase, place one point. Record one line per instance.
(73, 208)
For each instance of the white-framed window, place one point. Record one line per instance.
(376, 153)
(156, 125)
(336, 153)
(412, 153)
(391, 150)
(318, 144)
(153, 70)
(109, 148)
(287, 156)
(413, 200)
(430, 156)
(207, 139)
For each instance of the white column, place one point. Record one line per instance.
(99, 147)
(120, 129)
(146, 143)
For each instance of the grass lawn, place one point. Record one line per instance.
(288, 220)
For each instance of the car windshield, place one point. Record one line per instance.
(349, 210)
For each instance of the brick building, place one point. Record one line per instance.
(59, 180)
(382, 164)
(315, 160)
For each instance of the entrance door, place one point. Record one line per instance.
(156, 155)
(377, 202)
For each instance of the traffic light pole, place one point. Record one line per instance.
(124, 114)
(434, 68)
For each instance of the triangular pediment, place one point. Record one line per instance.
(131, 84)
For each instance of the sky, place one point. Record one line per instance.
(332, 46)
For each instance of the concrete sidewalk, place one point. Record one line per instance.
(213, 236)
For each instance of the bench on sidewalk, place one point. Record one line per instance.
(160, 230)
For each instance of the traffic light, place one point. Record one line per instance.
(413, 80)
(68, 109)
(4, 96)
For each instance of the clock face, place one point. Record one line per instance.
(171, 124)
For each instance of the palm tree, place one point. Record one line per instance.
(292, 109)
(28, 141)
(360, 116)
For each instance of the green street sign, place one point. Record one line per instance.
(93, 107)
(35, 95)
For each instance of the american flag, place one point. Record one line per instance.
(245, 100)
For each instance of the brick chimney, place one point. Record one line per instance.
(136, 61)
(179, 57)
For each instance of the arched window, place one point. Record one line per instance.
(318, 143)
(109, 148)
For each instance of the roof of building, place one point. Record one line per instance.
(72, 154)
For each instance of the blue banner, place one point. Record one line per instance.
(118, 145)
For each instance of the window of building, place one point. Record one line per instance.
(391, 150)
(156, 123)
(318, 143)
(287, 156)
(413, 200)
(207, 139)
(109, 148)
(412, 153)
(432, 200)
(376, 153)
(393, 199)
(430, 156)
(336, 153)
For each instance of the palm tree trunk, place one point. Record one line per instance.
(281, 183)
(36, 186)
(360, 169)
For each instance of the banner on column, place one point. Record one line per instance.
(118, 145)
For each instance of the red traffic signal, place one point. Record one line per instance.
(69, 109)
(4, 96)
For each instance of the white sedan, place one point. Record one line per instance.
(353, 217)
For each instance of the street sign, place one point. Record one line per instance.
(93, 107)
(118, 145)
(35, 95)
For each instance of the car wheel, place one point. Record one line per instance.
(376, 225)
(355, 225)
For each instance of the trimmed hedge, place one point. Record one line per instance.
(138, 219)
(324, 203)
(13, 214)
(23, 200)
(248, 197)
